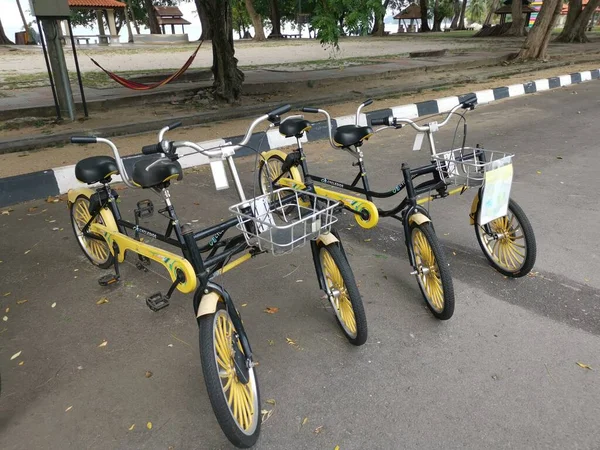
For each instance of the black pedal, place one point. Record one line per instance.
(145, 208)
(157, 301)
(107, 280)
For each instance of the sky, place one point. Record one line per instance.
(11, 20)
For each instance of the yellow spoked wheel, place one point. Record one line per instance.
(432, 271)
(96, 250)
(271, 170)
(343, 293)
(232, 386)
(508, 242)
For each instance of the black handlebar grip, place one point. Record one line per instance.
(174, 125)
(383, 121)
(470, 102)
(368, 102)
(279, 111)
(310, 110)
(83, 140)
(151, 149)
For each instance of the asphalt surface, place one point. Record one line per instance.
(501, 373)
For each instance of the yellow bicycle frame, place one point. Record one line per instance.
(111, 234)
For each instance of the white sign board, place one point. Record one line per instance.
(496, 191)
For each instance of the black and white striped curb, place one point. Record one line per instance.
(59, 180)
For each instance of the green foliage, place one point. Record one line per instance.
(476, 10)
(240, 16)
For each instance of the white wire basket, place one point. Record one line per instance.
(467, 166)
(284, 219)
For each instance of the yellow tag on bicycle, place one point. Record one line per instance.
(496, 191)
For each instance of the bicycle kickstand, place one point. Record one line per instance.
(112, 278)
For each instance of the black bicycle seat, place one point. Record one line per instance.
(294, 127)
(348, 135)
(151, 171)
(95, 168)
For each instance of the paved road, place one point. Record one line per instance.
(500, 374)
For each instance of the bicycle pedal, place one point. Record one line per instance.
(145, 208)
(108, 280)
(157, 301)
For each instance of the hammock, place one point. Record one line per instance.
(144, 87)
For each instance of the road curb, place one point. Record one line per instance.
(59, 180)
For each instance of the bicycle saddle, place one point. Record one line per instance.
(95, 168)
(151, 171)
(348, 135)
(294, 127)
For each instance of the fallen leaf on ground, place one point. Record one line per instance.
(7, 294)
(16, 355)
(271, 401)
(454, 253)
(299, 281)
(559, 157)
(5, 318)
(266, 414)
(6, 212)
(304, 421)
(149, 425)
(271, 341)
(21, 363)
(132, 427)
(69, 408)
(318, 429)
(102, 301)
(290, 341)
(539, 172)
(32, 209)
(26, 252)
(337, 447)
(51, 199)
(103, 344)
(271, 309)
(148, 374)
(7, 309)
(53, 305)
(244, 304)
(584, 366)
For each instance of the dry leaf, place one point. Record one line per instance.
(52, 199)
(69, 408)
(454, 253)
(6, 212)
(149, 425)
(539, 172)
(53, 305)
(244, 304)
(337, 447)
(7, 309)
(271, 309)
(318, 429)
(26, 252)
(5, 318)
(148, 374)
(102, 301)
(304, 421)
(21, 363)
(7, 294)
(271, 401)
(266, 414)
(32, 209)
(368, 240)
(299, 281)
(584, 366)
(289, 341)
(20, 302)
(15, 356)
(132, 427)
(170, 345)
(103, 344)
(271, 342)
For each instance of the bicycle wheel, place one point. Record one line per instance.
(433, 272)
(508, 243)
(232, 386)
(343, 293)
(268, 171)
(96, 250)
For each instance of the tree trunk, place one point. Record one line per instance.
(3, 39)
(228, 78)
(490, 14)
(577, 21)
(206, 34)
(537, 40)
(424, 24)
(135, 24)
(518, 26)
(379, 25)
(259, 32)
(457, 8)
(275, 20)
(27, 28)
(461, 20)
(437, 20)
(152, 21)
(128, 23)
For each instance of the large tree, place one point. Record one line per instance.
(577, 21)
(441, 10)
(536, 44)
(493, 6)
(152, 19)
(228, 78)
(461, 18)
(275, 19)
(259, 31)
(518, 21)
(206, 34)
(424, 16)
(456, 4)
(3, 38)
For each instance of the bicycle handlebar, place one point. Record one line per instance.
(83, 140)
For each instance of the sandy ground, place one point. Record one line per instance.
(31, 60)
(30, 161)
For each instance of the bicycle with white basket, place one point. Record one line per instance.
(266, 224)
